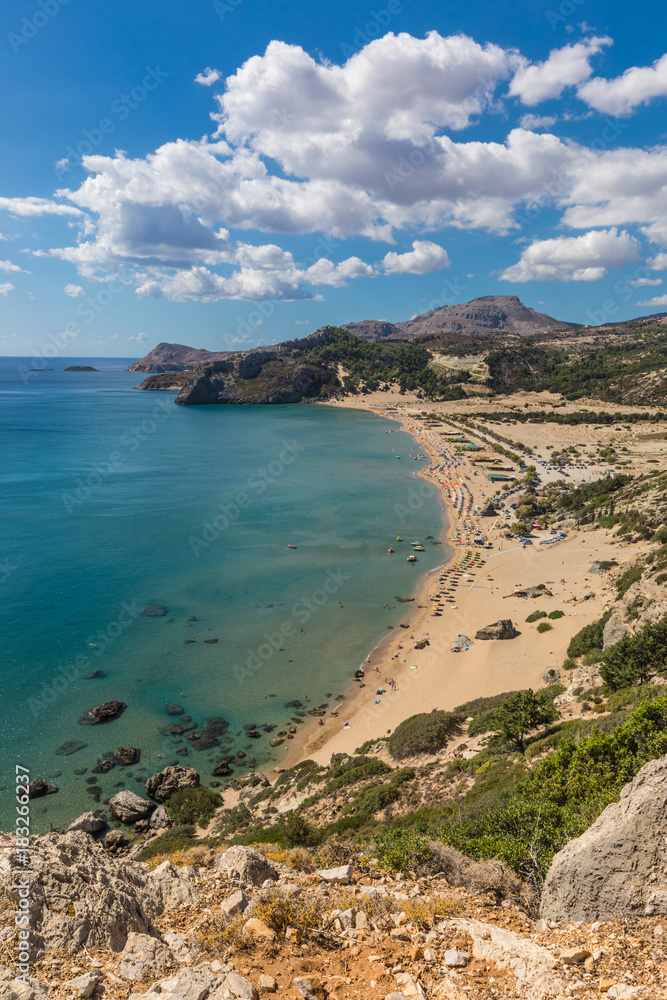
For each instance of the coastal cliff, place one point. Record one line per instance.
(262, 377)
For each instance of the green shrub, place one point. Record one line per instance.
(297, 830)
(179, 838)
(556, 614)
(193, 805)
(535, 616)
(520, 714)
(589, 637)
(355, 769)
(427, 732)
(401, 850)
(626, 580)
(544, 627)
(482, 710)
(635, 658)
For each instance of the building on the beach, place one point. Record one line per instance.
(500, 477)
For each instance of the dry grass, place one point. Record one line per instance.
(280, 910)
(220, 936)
(297, 858)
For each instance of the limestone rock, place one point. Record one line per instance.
(126, 755)
(268, 983)
(234, 904)
(190, 984)
(186, 948)
(238, 987)
(455, 959)
(309, 989)
(551, 675)
(584, 677)
(337, 876)
(114, 840)
(129, 807)
(618, 866)
(254, 928)
(159, 819)
(410, 988)
(84, 985)
(14, 989)
(531, 964)
(613, 631)
(154, 611)
(81, 896)
(162, 785)
(39, 787)
(246, 864)
(87, 822)
(141, 954)
(538, 592)
(502, 629)
(172, 885)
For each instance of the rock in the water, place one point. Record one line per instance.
(103, 713)
(246, 864)
(142, 954)
(617, 867)
(70, 747)
(87, 822)
(82, 897)
(162, 785)
(80, 368)
(94, 675)
(503, 629)
(160, 819)
(128, 807)
(171, 708)
(155, 611)
(39, 787)
(126, 755)
(114, 840)
(103, 766)
(337, 876)
(614, 630)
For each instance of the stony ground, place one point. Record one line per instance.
(262, 927)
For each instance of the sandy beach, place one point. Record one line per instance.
(435, 677)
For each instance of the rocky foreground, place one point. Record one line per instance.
(238, 925)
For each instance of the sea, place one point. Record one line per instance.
(262, 530)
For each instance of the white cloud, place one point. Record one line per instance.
(658, 263)
(645, 282)
(208, 77)
(659, 300)
(6, 288)
(6, 265)
(73, 290)
(574, 258)
(140, 337)
(113, 336)
(36, 206)
(537, 121)
(324, 272)
(566, 67)
(424, 258)
(623, 94)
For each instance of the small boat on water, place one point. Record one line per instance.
(412, 558)
(291, 546)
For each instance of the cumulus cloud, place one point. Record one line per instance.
(36, 206)
(620, 96)
(140, 337)
(658, 263)
(574, 258)
(5, 288)
(566, 67)
(208, 77)
(645, 282)
(424, 258)
(73, 290)
(659, 300)
(6, 265)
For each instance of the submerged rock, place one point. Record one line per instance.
(154, 611)
(127, 755)
(39, 787)
(173, 709)
(70, 747)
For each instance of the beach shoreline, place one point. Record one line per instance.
(434, 677)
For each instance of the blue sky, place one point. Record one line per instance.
(233, 172)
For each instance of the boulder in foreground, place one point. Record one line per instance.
(164, 784)
(618, 866)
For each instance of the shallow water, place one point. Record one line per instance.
(114, 499)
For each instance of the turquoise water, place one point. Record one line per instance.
(114, 499)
